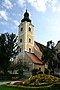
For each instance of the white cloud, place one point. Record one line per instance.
(58, 9)
(55, 7)
(3, 14)
(14, 4)
(3, 23)
(16, 22)
(21, 3)
(15, 28)
(54, 2)
(7, 4)
(40, 5)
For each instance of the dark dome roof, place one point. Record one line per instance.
(26, 14)
(26, 17)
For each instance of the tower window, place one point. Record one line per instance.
(21, 29)
(20, 40)
(30, 50)
(20, 49)
(29, 40)
(29, 29)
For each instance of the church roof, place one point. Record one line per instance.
(58, 45)
(26, 17)
(40, 46)
(34, 58)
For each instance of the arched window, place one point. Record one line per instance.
(20, 40)
(21, 29)
(30, 50)
(29, 40)
(29, 29)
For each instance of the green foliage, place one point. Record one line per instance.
(8, 88)
(46, 71)
(21, 67)
(8, 77)
(49, 56)
(12, 67)
(49, 87)
(34, 71)
(8, 50)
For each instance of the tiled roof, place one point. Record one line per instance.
(40, 46)
(34, 58)
(57, 45)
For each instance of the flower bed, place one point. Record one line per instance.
(39, 80)
(14, 78)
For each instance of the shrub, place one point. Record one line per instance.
(34, 72)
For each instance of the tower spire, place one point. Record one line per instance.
(26, 17)
(26, 10)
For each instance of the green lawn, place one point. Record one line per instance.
(5, 80)
(8, 88)
(21, 88)
(49, 87)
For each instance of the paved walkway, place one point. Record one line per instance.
(3, 83)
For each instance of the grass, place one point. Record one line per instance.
(8, 88)
(5, 80)
(25, 88)
(18, 87)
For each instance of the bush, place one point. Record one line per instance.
(8, 77)
(34, 72)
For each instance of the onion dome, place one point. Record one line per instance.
(26, 17)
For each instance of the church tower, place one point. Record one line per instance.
(25, 36)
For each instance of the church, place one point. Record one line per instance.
(30, 51)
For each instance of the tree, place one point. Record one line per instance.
(21, 67)
(49, 56)
(12, 67)
(8, 50)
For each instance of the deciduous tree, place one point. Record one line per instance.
(49, 56)
(8, 50)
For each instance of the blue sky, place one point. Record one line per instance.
(45, 16)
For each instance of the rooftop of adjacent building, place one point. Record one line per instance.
(34, 58)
